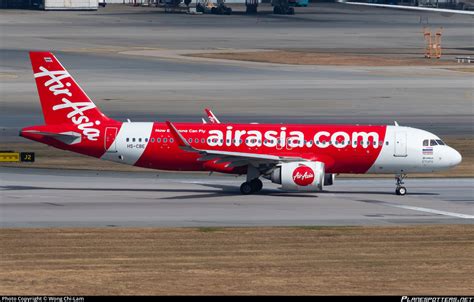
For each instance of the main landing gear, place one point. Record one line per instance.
(253, 186)
(400, 190)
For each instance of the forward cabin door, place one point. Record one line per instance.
(400, 144)
(110, 144)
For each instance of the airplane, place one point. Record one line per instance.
(299, 157)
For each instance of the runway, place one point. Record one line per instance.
(55, 198)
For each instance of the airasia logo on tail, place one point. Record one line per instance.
(303, 175)
(76, 109)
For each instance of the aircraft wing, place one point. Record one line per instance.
(235, 159)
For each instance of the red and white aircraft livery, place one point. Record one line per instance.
(299, 157)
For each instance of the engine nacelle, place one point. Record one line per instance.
(329, 179)
(299, 176)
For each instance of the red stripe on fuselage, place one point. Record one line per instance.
(162, 152)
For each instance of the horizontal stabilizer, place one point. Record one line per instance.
(69, 138)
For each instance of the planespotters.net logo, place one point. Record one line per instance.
(303, 175)
(437, 299)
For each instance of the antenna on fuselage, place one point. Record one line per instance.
(396, 124)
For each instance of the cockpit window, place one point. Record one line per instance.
(433, 142)
(426, 142)
(440, 142)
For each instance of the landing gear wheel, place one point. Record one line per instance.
(246, 188)
(257, 185)
(401, 191)
(277, 10)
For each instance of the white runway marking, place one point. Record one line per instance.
(429, 9)
(465, 216)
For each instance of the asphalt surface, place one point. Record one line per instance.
(53, 198)
(95, 47)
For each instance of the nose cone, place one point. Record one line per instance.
(454, 157)
(457, 158)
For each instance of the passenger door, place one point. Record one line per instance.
(400, 144)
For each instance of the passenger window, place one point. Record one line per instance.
(426, 142)
(146, 140)
(152, 140)
(171, 140)
(133, 139)
(440, 142)
(158, 140)
(190, 140)
(140, 140)
(386, 143)
(203, 140)
(165, 140)
(433, 142)
(127, 139)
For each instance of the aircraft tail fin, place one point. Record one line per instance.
(62, 99)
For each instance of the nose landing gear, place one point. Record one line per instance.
(400, 190)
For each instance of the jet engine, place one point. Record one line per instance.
(299, 176)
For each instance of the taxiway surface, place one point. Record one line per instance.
(95, 48)
(54, 198)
